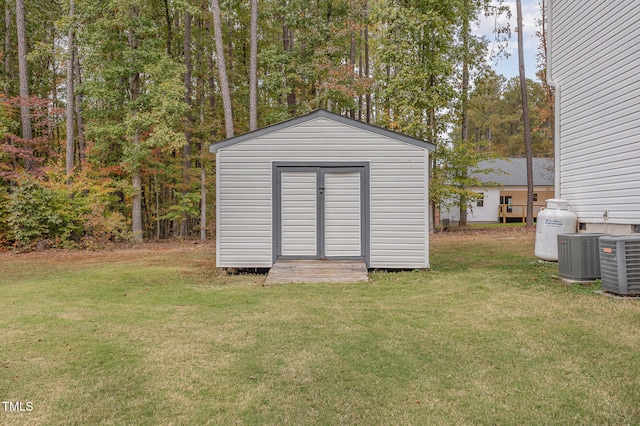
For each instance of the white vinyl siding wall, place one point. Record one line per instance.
(595, 61)
(488, 212)
(398, 187)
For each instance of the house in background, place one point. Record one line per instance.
(593, 62)
(504, 199)
(322, 186)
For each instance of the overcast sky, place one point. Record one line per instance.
(509, 67)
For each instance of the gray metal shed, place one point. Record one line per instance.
(322, 186)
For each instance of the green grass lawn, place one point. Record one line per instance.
(154, 336)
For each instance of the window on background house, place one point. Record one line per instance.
(535, 196)
(508, 200)
(480, 199)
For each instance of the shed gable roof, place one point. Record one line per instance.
(214, 147)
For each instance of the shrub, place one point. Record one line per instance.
(60, 214)
(103, 226)
(4, 217)
(37, 212)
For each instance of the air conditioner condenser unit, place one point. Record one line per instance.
(620, 264)
(578, 256)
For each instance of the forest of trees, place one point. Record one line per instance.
(108, 107)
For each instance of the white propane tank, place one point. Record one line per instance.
(556, 219)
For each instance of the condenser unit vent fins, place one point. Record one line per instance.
(578, 257)
(620, 264)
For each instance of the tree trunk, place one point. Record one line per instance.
(366, 64)
(211, 79)
(70, 154)
(54, 79)
(134, 93)
(186, 152)
(169, 29)
(360, 74)
(464, 110)
(287, 45)
(155, 181)
(25, 113)
(352, 62)
(222, 70)
(136, 207)
(78, 103)
(8, 68)
(203, 149)
(253, 68)
(229, 53)
(203, 201)
(525, 117)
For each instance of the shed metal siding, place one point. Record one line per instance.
(299, 217)
(398, 184)
(342, 214)
(595, 61)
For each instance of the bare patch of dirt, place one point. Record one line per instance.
(114, 254)
(150, 249)
(479, 234)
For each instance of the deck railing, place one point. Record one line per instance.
(516, 211)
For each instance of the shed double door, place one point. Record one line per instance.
(320, 212)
